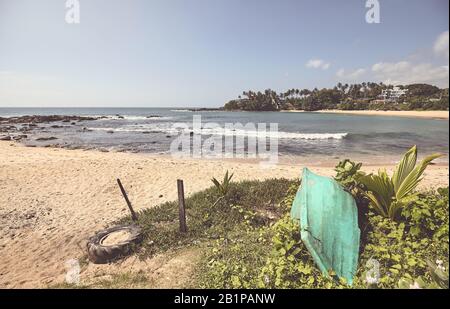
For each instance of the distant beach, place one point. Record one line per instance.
(411, 114)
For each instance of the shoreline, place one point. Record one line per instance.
(53, 199)
(441, 115)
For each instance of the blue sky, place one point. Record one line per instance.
(174, 53)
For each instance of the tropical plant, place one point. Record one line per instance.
(347, 174)
(222, 187)
(389, 195)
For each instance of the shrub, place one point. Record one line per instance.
(223, 186)
(404, 248)
(268, 257)
(273, 256)
(389, 195)
(348, 174)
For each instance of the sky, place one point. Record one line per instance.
(202, 53)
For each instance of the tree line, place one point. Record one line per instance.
(363, 96)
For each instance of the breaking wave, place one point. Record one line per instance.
(169, 129)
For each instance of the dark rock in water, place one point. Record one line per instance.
(32, 120)
(5, 138)
(51, 138)
(8, 129)
(120, 116)
(73, 123)
(153, 116)
(205, 109)
(110, 131)
(52, 146)
(146, 132)
(56, 126)
(19, 137)
(168, 136)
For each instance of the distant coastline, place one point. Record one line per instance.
(443, 115)
(367, 96)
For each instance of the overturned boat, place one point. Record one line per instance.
(328, 224)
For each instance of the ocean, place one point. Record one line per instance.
(151, 130)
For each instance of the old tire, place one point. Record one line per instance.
(100, 254)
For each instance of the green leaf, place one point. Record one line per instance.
(404, 167)
(411, 181)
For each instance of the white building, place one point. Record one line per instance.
(392, 95)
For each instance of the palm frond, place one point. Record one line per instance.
(404, 167)
(411, 180)
(388, 195)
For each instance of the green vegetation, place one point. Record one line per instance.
(248, 239)
(388, 196)
(222, 187)
(247, 203)
(364, 96)
(274, 257)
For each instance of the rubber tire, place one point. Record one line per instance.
(102, 254)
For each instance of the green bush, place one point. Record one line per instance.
(251, 241)
(268, 257)
(404, 248)
(274, 256)
(389, 195)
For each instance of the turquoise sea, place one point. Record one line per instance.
(302, 134)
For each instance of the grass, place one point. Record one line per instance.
(247, 203)
(240, 241)
(252, 202)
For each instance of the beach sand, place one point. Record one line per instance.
(411, 114)
(52, 200)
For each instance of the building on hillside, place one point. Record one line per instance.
(392, 95)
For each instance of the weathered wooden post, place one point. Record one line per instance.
(181, 205)
(125, 196)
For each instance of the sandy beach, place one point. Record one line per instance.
(411, 114)
(52, 200)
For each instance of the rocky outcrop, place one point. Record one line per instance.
(33, 119)
(43, 139)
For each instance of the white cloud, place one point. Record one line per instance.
(409, 70)
(350, 75)
(405, 72)
(441, 45)
(318, 64)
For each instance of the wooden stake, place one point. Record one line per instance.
(181, 205)
(125, 196)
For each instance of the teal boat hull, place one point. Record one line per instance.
(328, 224)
